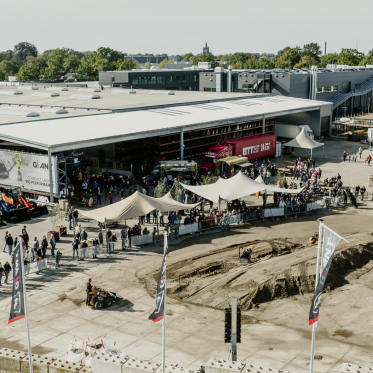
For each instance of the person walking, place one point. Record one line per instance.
(369, 159)
(360, 151)
(5, 238)
(344, 156)
(98, 195)
(9, 242)
(121, 193)
(111, 197)
(123, 236)
(58, 258)
(25, 236)
(7, 269)
(52, 241)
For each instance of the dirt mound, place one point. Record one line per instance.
(210, 279)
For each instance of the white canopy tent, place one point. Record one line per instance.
(304, 141)
(135, 205)
(238, 186)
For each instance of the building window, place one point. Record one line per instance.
(152, 80)
(209, 89)
(327, 89)
(169, 79)
(185, 78)
(335, 88)
(160, 79)
(319, 89)
(135, 80)
(143, 80)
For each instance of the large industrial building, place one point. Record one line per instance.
(117, 129)
(350, 90)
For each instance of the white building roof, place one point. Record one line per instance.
(80, 132)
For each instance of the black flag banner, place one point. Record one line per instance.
(17, 310)
(158, 312)
(330, 242)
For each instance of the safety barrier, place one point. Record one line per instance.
(34, 267)
(188, 229)
(142, 240)
(229, 220)
(273, 212)
(89, 252)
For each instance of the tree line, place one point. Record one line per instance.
(25, 62)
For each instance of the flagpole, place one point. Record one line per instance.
(164, 308)
(314, 326)
(25, 302)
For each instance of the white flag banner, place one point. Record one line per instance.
(330, 242)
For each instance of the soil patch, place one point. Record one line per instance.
(63, 296)
(343, 333)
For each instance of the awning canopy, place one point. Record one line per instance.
(135, 205)
(238, 186)
(303, 141)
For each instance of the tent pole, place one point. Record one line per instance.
(219, 204)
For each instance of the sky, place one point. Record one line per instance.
(179, 27)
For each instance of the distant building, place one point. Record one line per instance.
(206, 49)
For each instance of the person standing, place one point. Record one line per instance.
(45, 246)
(9, 242)
(111, 197)
(130, 234)
(7, 269)
(70, 219)
(52, 241)
(88, 290)
(1, 272)
(5, 238)
(362, 191)
(344, 156)
(360, 151)
(123, 236)
(76, 215)
(75, 245)
(98, 195)
(100, 237)
(58, 258)
(121, 193)
(25, 236)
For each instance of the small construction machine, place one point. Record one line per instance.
(245, 256)
(101, 298)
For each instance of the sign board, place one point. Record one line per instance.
(27, 171)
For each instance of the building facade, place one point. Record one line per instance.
(173, 79)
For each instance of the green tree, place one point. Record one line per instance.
(187, 56)
(127, 64)
(6, 56)
(7, 69)
(265, 64)
(147, 65)
(110, 54)
(162, 63)
(313, 50)
(225, 57)
(28, 72)
(55, 61)
(192, 58)
(252, 63)
(71, 63)
(205, 58)
(22, 50)
(330, 58)
(351, 57)
(238, 57)
(368, 59)
(287, 58)
(305, 63)
(87, 68)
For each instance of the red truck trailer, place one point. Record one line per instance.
(252, 147)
